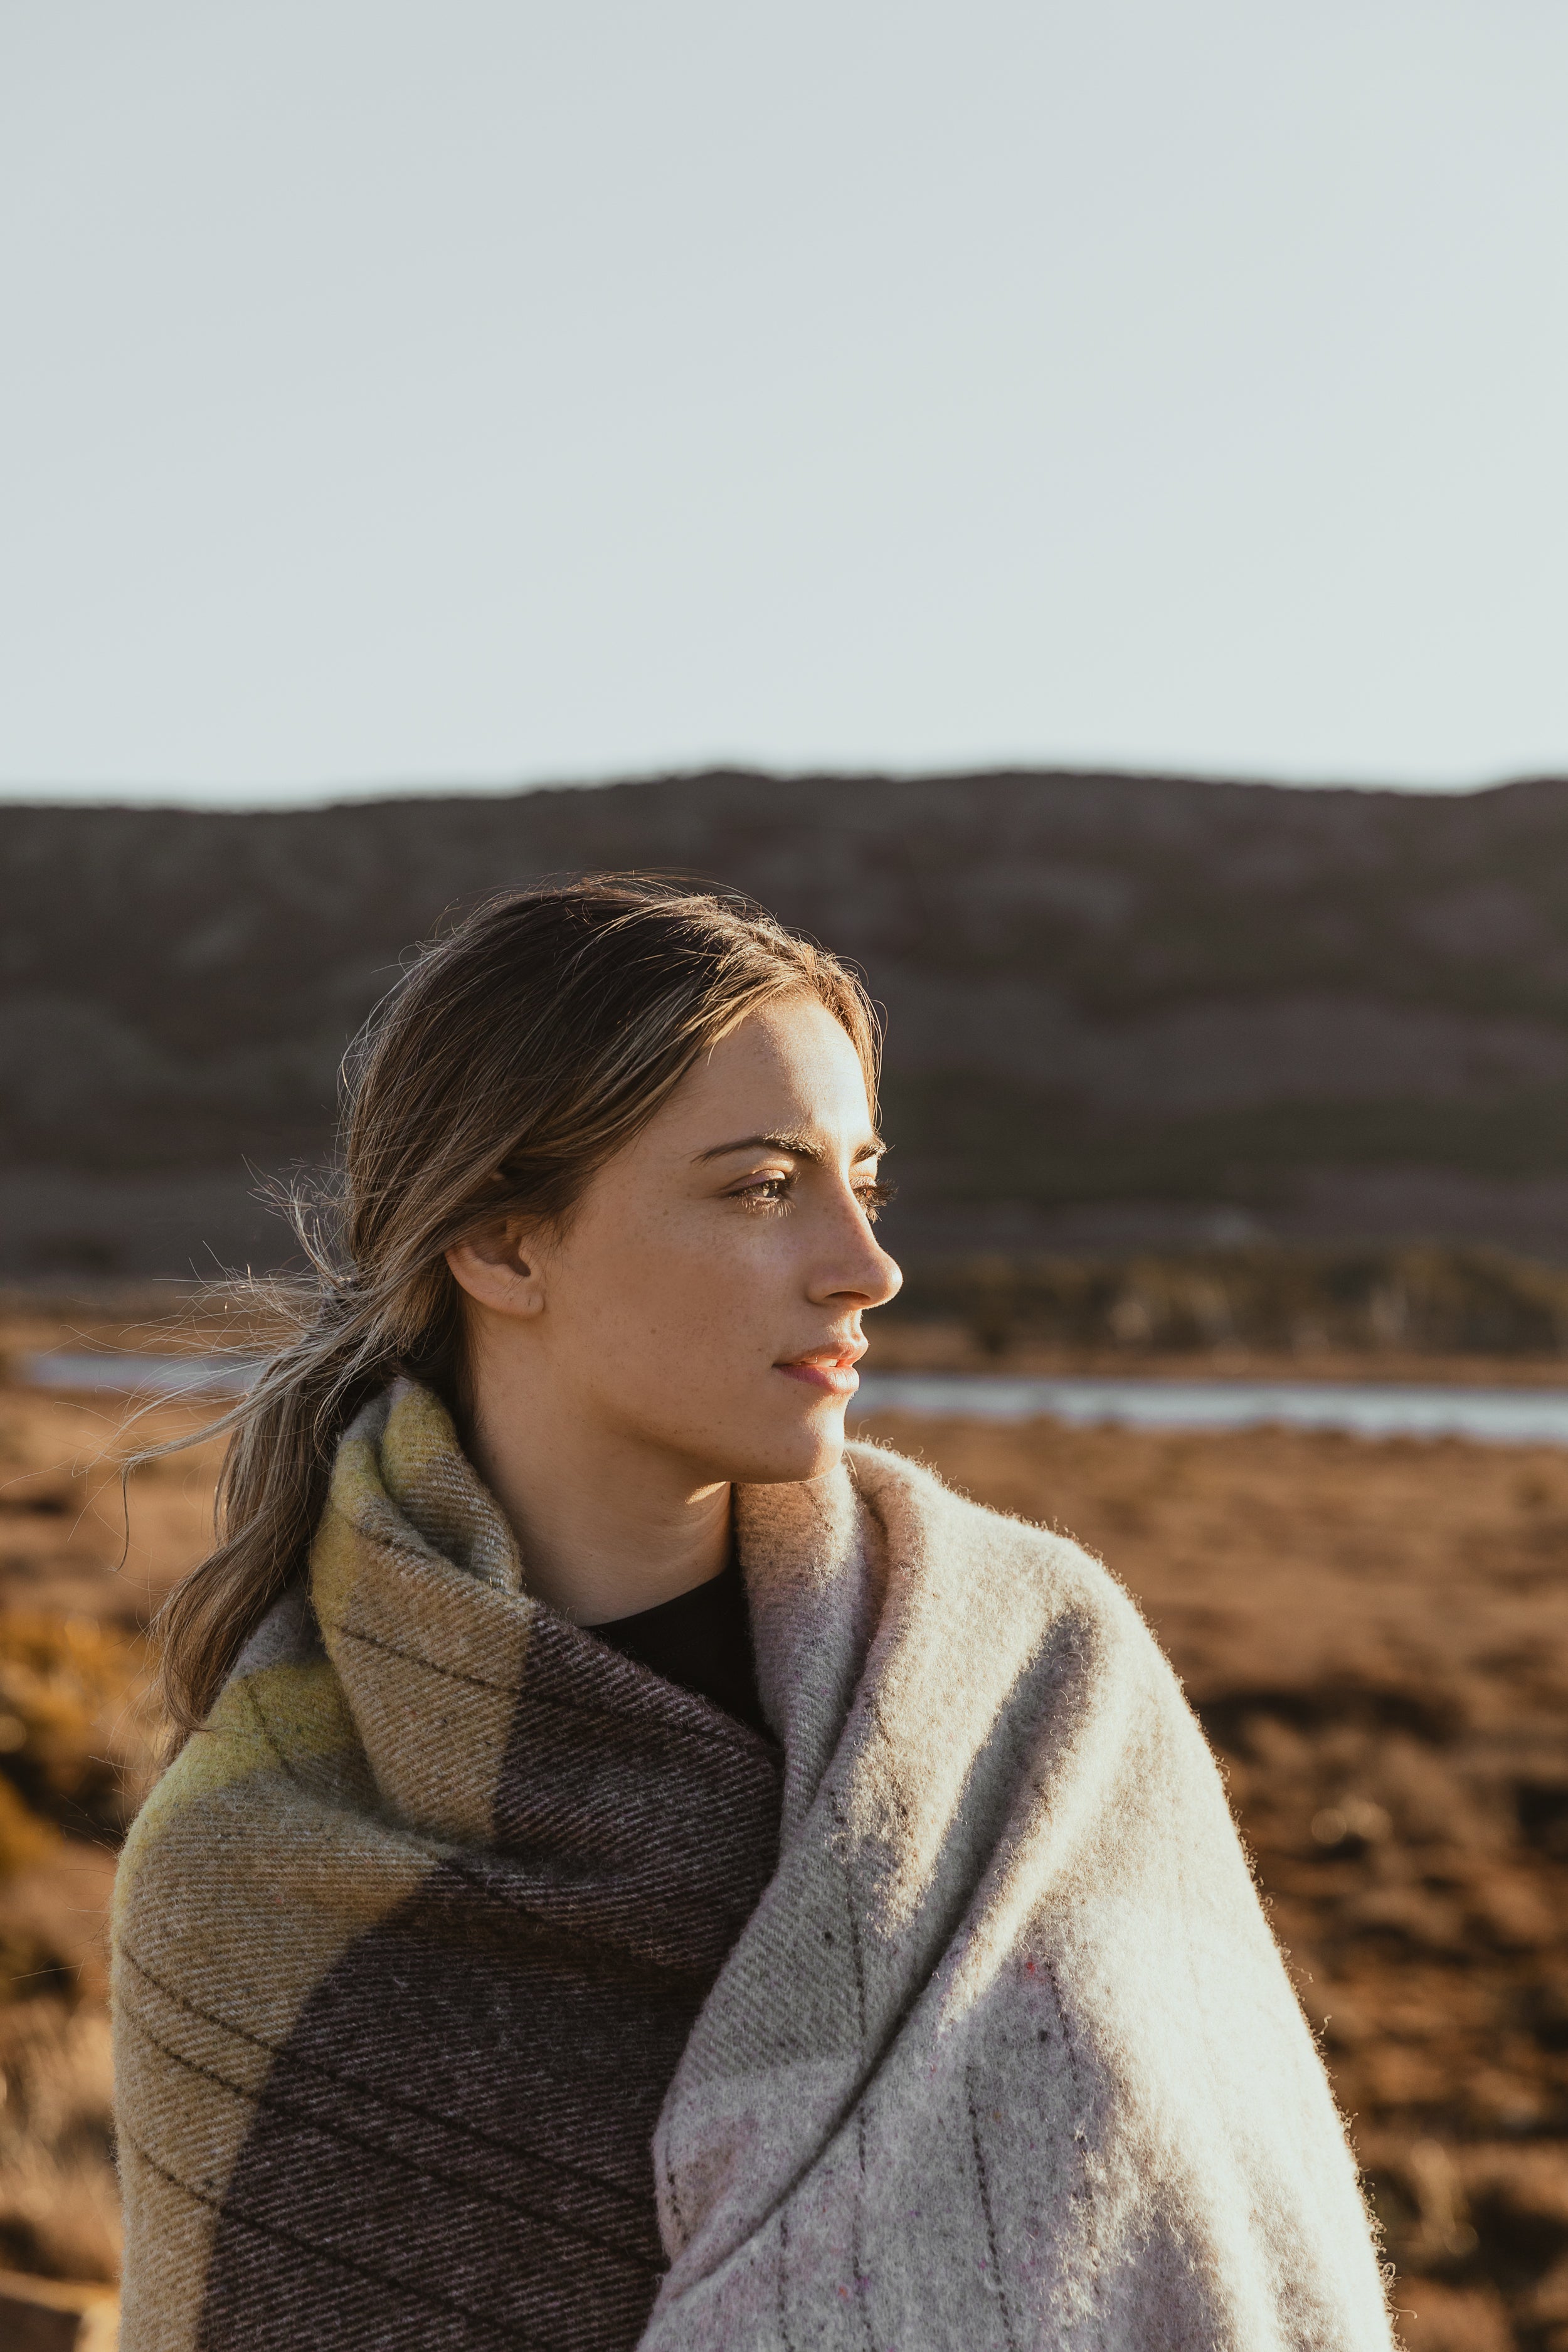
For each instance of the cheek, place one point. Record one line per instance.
(671, 1284)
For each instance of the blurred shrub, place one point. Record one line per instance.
(1435, 2318)
(74, 1741)
(24, 1840)
(58, 2205)
(1422, 1298)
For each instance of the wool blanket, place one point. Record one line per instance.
(477, 1987)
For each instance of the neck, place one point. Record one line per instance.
(605, 1527)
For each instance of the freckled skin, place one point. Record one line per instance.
(627, 1372)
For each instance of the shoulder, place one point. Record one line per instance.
(280, 1715)
(992, 1565)
(1005, 1638)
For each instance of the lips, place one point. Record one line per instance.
(830, 1368)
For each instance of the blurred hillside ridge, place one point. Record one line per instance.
(1123, 1011)
(1417, 1300)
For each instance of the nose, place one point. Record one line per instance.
(857, 1271)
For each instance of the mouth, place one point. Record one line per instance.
(830, 1368)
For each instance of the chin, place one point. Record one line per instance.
(783, 1457)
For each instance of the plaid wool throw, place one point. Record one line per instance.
(476, 1987)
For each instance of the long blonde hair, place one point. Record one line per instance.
(510, 1062)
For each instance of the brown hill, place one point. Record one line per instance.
(1120, 1008)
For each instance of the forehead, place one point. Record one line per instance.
(788, 1063)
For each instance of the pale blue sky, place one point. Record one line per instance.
(480, 391)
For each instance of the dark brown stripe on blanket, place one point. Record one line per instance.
(460, 2122)
(562, 2054)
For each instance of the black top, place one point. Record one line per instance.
(702, 1639)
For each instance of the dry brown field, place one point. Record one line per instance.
(1375, 1635)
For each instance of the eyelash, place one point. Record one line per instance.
(872, 1197)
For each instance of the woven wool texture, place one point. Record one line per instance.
(476, 1987)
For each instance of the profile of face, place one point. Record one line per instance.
(703, 1303)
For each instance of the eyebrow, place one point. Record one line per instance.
(796, 1145)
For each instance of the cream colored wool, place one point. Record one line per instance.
(1004, 2056)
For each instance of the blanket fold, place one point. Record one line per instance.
(474, 1986)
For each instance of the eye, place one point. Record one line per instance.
(766, 1192)
(875, 1197)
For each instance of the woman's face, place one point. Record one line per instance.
(705, 1299)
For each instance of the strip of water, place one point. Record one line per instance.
(1495, 1416)
(124, 1373)
(1499, 1416)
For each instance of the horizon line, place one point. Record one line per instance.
(308, 799)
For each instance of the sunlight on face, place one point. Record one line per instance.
(706, 1298)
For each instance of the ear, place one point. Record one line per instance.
(501, 1267)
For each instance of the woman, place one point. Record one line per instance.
(650, 1874)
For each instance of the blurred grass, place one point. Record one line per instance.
(59, 2206)
(78, 1735)
(75, 1743)
(76, 1753)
